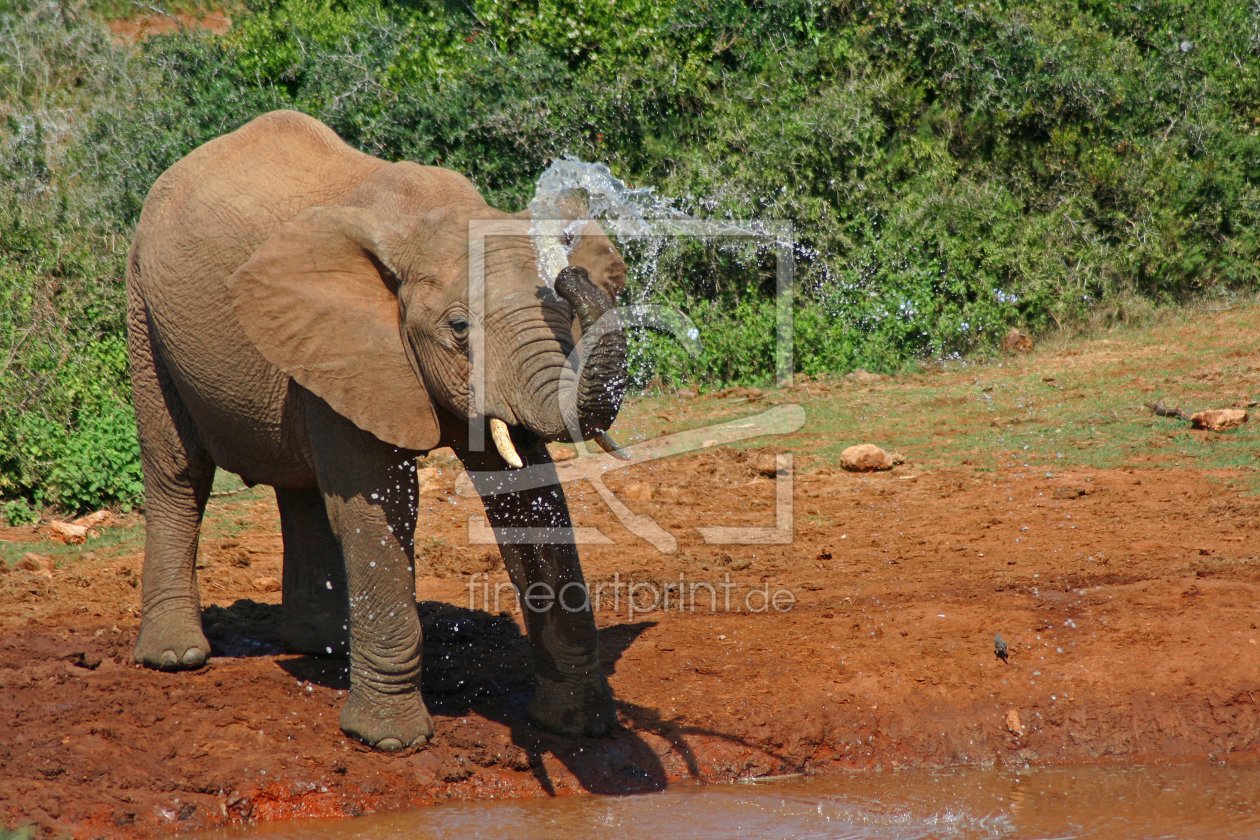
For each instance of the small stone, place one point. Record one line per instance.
(1219, 419)
(739, 564)
(32, 562)
(1017, 342)
(865, 457)
(1068, 493)
(267, 584)
(1013, 724)
(864, 377)
(90, 660)
(429, 480)
(638, 492)
(562, 451)
(767, 465)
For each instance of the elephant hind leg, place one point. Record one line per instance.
(316, 605)
(178, 474)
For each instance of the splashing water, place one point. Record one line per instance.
(577, 191)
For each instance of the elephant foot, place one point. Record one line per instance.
(387, 722)
(580, 707)
(316, 634)
(172, 641)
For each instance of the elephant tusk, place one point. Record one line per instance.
(610, 446)
(503, 442)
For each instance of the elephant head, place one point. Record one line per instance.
(358, 303)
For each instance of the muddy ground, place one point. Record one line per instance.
(1128, 598)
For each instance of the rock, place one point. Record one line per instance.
(99, 519)
(739, 564)
(88, 659)
(1068, 493)
(766, 465)
(864, 377)
(1013, 724)
(68, 531)
(37, 563)
(746, 393)
(638, 492)
(464, 487)
(267, 584)
(1219, 419)
(1017, 342)
(865, 457)
(429, 480)
(562, 451)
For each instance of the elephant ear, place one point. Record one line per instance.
(318, 299)
(594, 251)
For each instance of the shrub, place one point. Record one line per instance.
(949, 169)
(63, 369)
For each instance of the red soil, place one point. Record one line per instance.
(1128, 599)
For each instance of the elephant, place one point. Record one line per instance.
(298, 314)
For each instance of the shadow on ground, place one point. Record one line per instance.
(476, 662)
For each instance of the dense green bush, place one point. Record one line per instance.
(67, 434)
(949, 169)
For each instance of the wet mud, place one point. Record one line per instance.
(1128, 600)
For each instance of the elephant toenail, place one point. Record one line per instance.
(389, 744)
(194, 658)
(168, 659)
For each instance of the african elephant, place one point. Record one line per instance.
(298, 314)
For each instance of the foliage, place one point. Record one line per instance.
(18, 512)
(948, 169)
(65, 433)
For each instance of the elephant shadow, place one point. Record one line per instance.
(479, 662)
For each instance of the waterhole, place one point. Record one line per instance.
(1092, 802)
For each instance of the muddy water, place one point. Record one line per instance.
(1102, 802)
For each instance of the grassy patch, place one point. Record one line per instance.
(1062, 407)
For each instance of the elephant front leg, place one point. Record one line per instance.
(369, 492)
(535, 536)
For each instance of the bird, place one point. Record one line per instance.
(999, 647)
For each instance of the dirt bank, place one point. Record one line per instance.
(1128, 599)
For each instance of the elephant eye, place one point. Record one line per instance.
(459, 326)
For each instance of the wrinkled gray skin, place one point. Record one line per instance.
(298, 315)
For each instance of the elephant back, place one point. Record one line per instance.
(202, 220)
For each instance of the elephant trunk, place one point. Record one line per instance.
(601, 354)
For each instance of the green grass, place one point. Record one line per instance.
(1066, 406)
(115, 541)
